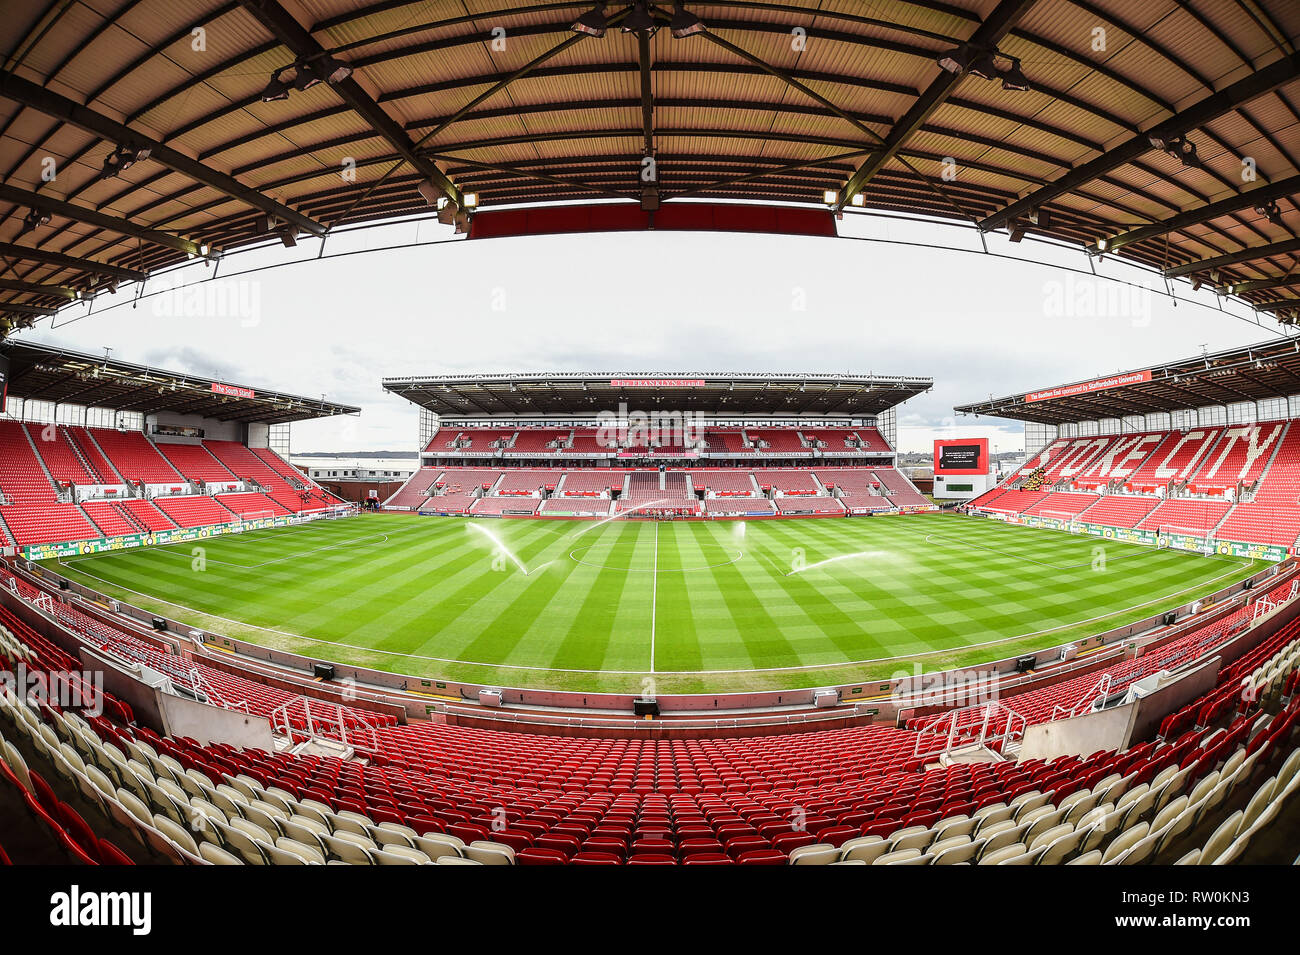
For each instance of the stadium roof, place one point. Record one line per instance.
(47, 373)
(1251, 373)
(708, 393)
(137, 133)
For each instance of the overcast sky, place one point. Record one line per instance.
(978, 324)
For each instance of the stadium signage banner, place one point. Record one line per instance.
(233, 390)
(131, 541)
(656, 383)
(968, 456)
(1088, 387)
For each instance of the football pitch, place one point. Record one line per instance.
(697, 606)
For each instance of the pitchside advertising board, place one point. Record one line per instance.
(131, 541)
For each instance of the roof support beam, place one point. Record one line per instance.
(1254, 285)
(1191, 217)
(15, 285)
(39, 98)
(96, 218)
(302, 44)
(647, 95)
(989, 33)
(46, 257)
(1211, 107)
(1234, 258)
(41, 310)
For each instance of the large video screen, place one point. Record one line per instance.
(970, 456)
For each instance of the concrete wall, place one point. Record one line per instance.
(213, 724)
(1079, 735)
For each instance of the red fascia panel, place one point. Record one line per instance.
(672, 217)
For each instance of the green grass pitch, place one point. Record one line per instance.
(703, 606)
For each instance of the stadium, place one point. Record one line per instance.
(704, 607)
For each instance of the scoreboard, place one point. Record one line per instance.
(961, 457)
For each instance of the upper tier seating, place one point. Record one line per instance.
(1118, 460)
(538, 441)
(1241, 455)
(479, 440)
(726, 441)
(135, 456)
(1273, 516)
(588, 441)
(196, 462)
(778, 442)
(62, 461)
(1119, 510)
(789, 482)
(96, 463)
(1175, 458)
(195, 510)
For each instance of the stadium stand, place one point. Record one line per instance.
(1175, 458)
(778, 442)
(134, 456)
(61, 460)
(739, 504)
(1272, 516)
(575, 506)
(540, 442)
(31, 512)
(526, 482)
(89, 452)
(244, 462)
(148, 515)
(415, 490)
(727, 441)
(1061, 503)
(1119, 510)
(586, 441)
(725, 483)
(899, 489)
(588, 483)
(788, 481)
(1186, 514)
(1240, 457)
(196, 462)
(195, 510)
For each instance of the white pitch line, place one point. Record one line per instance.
(654, 598)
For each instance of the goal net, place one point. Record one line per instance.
(256, 515)
(1067, 519)
(1175, 537)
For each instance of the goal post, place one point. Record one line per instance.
(1067, 519)
(1177, 537)
(247, 516)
